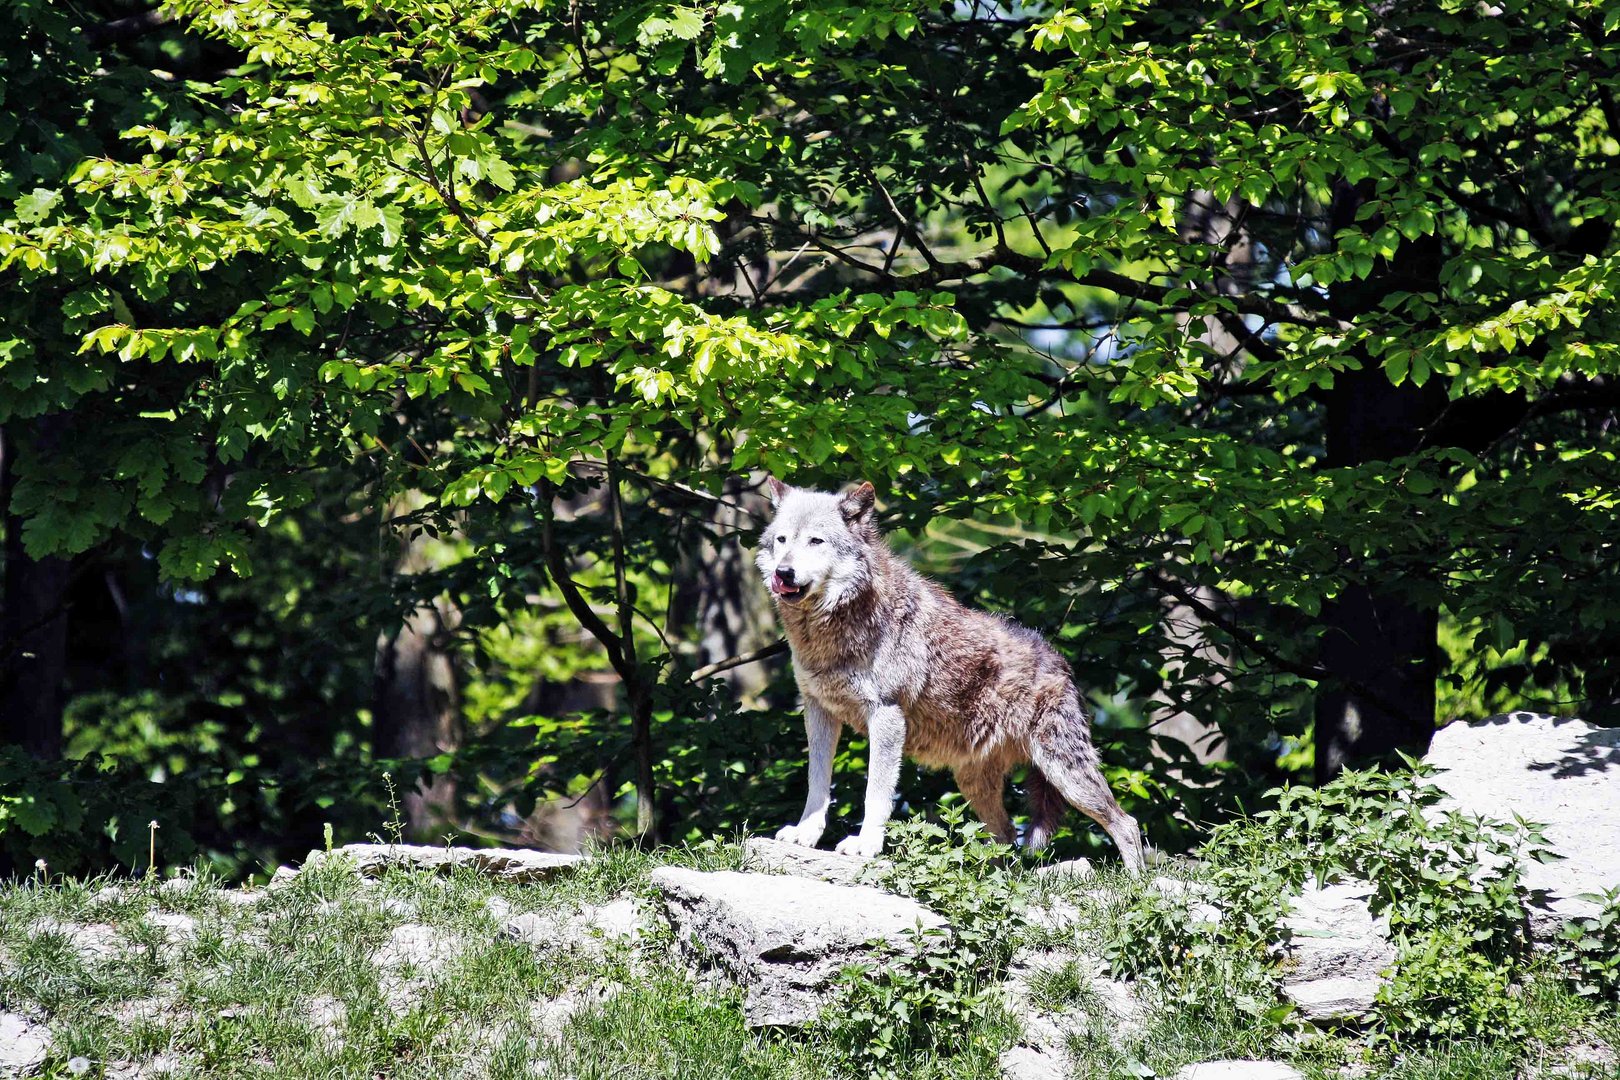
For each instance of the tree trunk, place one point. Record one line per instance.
(1378, 642)
(1381, 642)
(1190, 640)
(416, 710)
(717, 602)
(33, 619)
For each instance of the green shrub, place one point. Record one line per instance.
(1448, 883)
(935, 996)
(1444, 987)
(89, 814)
(1589, 949)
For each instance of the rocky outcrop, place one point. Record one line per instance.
(1108, 1004)
(24, 1045)
(783, 939)
(1336, 954)
(1560, 772)
(587, 929)
(515, 865)
(781, 857)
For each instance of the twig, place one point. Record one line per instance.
(704, 672)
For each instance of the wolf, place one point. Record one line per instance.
(882, 650)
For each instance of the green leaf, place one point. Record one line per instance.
(37, 204)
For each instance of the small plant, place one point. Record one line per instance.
(935, 995)
(1154, 933)
(1443, 987)
(395, 825)
(1589, 949)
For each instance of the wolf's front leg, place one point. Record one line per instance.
(822, 730)
(886, 736)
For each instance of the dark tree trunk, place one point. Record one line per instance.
(717, 601)
(1378, 639)
(1379, 643)
(417, 713)
(416, 703)
(33, 618)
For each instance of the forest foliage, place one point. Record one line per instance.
(386, 386)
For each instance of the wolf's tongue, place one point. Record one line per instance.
(780, 589)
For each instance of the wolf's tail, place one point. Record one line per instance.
(1046, 809)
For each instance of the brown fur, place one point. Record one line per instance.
(880, 649)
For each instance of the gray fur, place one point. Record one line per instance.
(881, 649)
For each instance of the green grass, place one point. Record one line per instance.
(286, 986)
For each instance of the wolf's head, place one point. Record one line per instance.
(818, 548)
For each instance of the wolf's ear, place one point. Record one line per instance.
(778, 490)
(856, 503)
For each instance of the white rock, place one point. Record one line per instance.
(1560, 772)
(1336, 954)
(177, 926)
(784, 939)
(408, 962)
(552, 1016)
(1056, 916)
(108, 895)
(93, 941)
(24, 1045)
(781, 857)
(327, 1015)
(421, 947)
(1122, 1015)
(161, 1065)
(397, 907)
(1240, 1069)
(150, 1010)
(1079, 869)
(503, 864)
(586, 929)
(1028, 1063)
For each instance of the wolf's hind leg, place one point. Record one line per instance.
(822, 730)
(1071, 765)
(983, 784)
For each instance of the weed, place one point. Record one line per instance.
(936, 996)
(1589, 949)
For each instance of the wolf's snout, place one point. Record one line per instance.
(786, 585)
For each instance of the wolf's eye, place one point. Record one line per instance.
(817, 540)
(781, 539)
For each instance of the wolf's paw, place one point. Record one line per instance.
(860, 844)
(805, 835)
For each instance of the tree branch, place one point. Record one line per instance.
(557, 566)
(775, 649)
(942, 272)
(129, 28)
(1314, 672)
